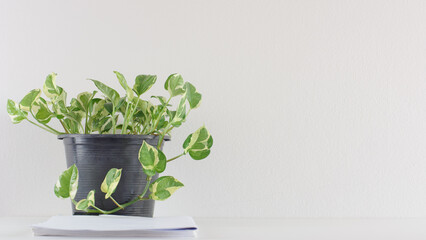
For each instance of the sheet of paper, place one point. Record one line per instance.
(113, 225)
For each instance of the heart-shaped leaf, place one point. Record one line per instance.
(84, 204)
(164, 187)
(193, 97)
(143, 83)
(153, 161)
(111, 181)
(67, 184)
(174, 84)
(15, 114)
(29, 99)
(198, 144)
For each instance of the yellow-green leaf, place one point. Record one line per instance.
(198, 144)
(110, 93)
(123, 83)
(15, 114)
(111, 181)
(50, 89)
(193, 97)
(174, 84)
(153, 161)
(143, 83)
(67, 184)
(84, 204)
(41, 111)
(164, 187)
(29, 99)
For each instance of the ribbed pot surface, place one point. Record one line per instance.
(95, 154)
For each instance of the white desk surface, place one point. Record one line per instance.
(259, 228)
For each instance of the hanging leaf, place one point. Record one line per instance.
(29, 99)
(84, 204)
(111, 181)
(153, 161)
(164, 187)
(193, 97)
(174, 84)
(67, 184)
(15, 114)
(198, 144)
(143, 83)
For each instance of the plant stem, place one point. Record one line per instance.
(134, 110)
(113, 122)
(161, 114)
(126, 116)
(122, 206)
(178, 156)
(160, 140)
(116, 203)
(99, 210)
(63, 125)
(46, 129)
(54, 130)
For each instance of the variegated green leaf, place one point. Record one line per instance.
(82, 102)
(15, 114)
(153, 161)
(41, 111)
(110, 93)
(174, 84)
(123, 83)
(111, 181)
(29, 99)
(198, 144)
(143, 83)
(193, 97)
(180, 115)
(84, 204)
(67, 184)
(50, 89)
(164, 187)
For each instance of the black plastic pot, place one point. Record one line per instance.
(95, 154)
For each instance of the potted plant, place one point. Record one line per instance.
(112, 139)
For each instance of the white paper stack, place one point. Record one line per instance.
(116, 226)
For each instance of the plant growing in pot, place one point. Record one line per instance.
(113, 144)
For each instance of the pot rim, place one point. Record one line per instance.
(62, 136)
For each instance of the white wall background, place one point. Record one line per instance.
(317, 108)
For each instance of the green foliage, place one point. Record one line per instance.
(111, 181)
(129, 114)
(88, 114)
(67, 184)
(84, 204)
(153, 161)
(198, 144)
(164, 187)
(143, 83)
(15, 114)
